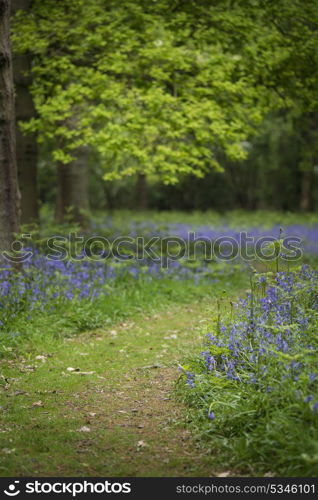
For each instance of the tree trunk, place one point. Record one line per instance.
(79, 187)
(72, 196)
(110, 198)
(27, 151)
(9, 192)
(305, 193)
(142, 192)
(63, 196)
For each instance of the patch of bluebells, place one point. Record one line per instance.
(43, 281)
(308, 233)
(190, 379)
(271, 342)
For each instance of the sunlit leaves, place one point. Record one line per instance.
(158, 89)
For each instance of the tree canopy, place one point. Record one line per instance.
(150, 88)
(169, 89)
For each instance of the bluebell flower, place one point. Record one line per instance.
(308, 398)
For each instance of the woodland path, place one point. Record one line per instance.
(101, 403)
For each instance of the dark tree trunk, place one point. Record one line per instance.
(305, 191)
(72, 193)
(63, 196)
(109, 196)
(142, 192)
(9, 192)
(80, 187)
(27, 151)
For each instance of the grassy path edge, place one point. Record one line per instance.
(100, 404)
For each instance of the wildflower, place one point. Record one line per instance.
(211, 415)
(308, 398)
(190, 379)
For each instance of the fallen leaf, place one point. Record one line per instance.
(27, 368)
(226, 473)
(141, 444)
(148, 367)
(19, 393)
(76, 372)
(4, 380)
(84, 429)
(37, 403)
(92, 414)
(41, 358)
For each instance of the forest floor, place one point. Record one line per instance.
(101, 403)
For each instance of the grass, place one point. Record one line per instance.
(135, 428)
(125, 298)
(237, 219)
(252, 392)
(87, 384)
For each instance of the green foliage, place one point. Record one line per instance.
(256, 381)
(122, 299)
(172, 89)
(149, 90)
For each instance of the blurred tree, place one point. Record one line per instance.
(177, 89)
(72, 189)
(26, 143)
(9, 193)
(152, 92)
(142, 191)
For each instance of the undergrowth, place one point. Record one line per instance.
(253, 390)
